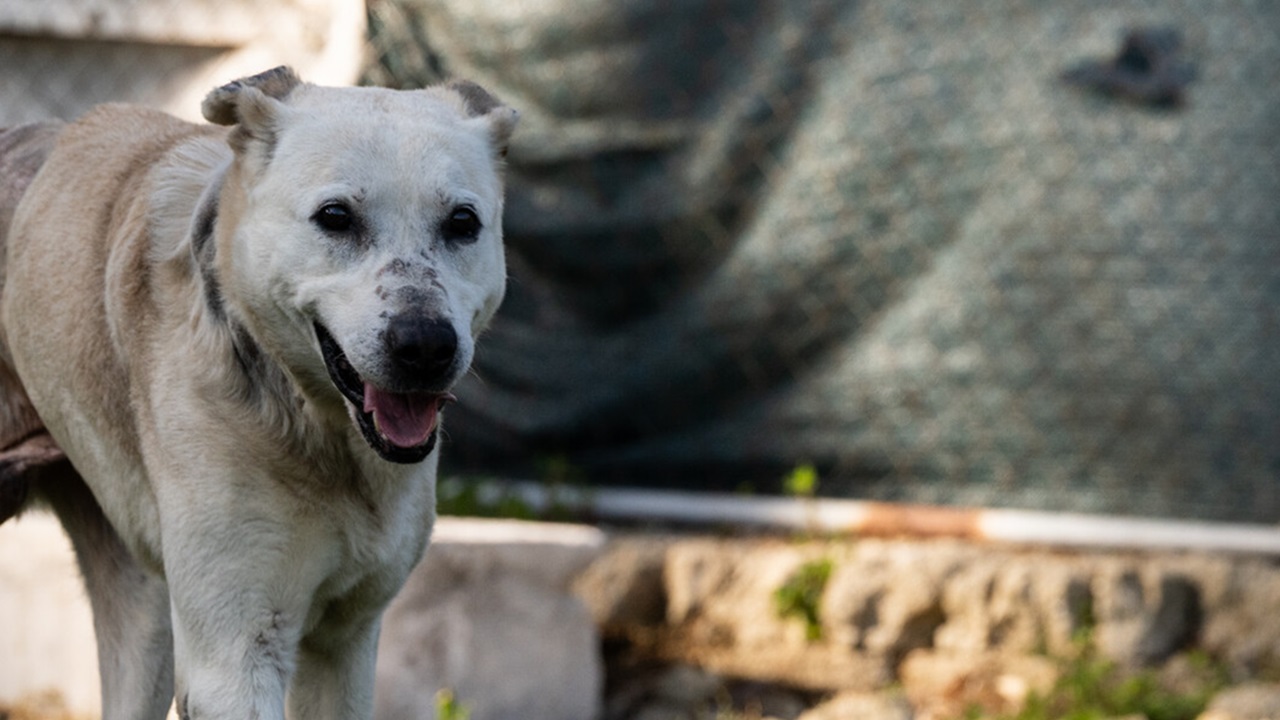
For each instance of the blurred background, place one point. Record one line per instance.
(1005, 254)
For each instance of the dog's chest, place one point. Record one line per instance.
(373, 545)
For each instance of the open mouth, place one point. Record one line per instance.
(400, 427)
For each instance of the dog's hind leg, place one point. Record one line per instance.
(130, 605)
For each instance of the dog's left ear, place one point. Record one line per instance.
(252, 104)
(478, 102)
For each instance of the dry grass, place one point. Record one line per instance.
(48, 705)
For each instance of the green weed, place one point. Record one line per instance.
(802, 482)
(449, 708)
(1094, 688)
(477, 497)
(801, 595)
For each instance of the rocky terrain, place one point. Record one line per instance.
(698, 627)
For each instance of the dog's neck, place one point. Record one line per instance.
(196, 188)
(203, 243)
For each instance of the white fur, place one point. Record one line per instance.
(232, 483)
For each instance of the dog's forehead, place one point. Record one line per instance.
(426, 104)
(370, 130)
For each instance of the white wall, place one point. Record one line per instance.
(61, 57)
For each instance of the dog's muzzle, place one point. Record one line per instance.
(400, 426)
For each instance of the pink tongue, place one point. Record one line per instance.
(405, 420)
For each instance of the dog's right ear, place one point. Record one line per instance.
(477, 102)
(252, 104)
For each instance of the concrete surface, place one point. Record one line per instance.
(46, 629)
(489, 614)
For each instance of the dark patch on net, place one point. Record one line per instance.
(1148, 69)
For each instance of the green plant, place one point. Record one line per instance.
(478, 497)
(801, 595)
(473, 497)
(449, 708)
(1094, 688)
(801, 482)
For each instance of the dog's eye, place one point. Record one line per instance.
(462, 225)
(334, 217)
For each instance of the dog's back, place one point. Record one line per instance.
(23, 443)
(23, 150)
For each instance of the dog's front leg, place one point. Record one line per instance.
(237, 606)
(334, 680)
(231, 660)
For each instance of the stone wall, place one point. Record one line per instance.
(924, 628)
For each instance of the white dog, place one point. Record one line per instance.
(242, 339)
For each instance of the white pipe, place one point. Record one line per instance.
(1079, 530)
(863, 518)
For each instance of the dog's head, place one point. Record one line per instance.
(366, 253)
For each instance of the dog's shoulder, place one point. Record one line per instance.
(118, 133)
(105, 167)
(130, 123)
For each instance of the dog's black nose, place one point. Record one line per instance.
(420, 347)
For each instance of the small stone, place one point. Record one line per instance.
(863, 706)
(948, 684)
(1250, 701)
(686, 685)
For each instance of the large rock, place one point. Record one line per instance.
(1251, 701)
(1146, 612)
(722, 614)
(886, 599)
(488, 615)
(1015, 603)
(723, 591)
(1242, 624)
(623, 587)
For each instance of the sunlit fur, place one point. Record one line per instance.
(161, 283)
